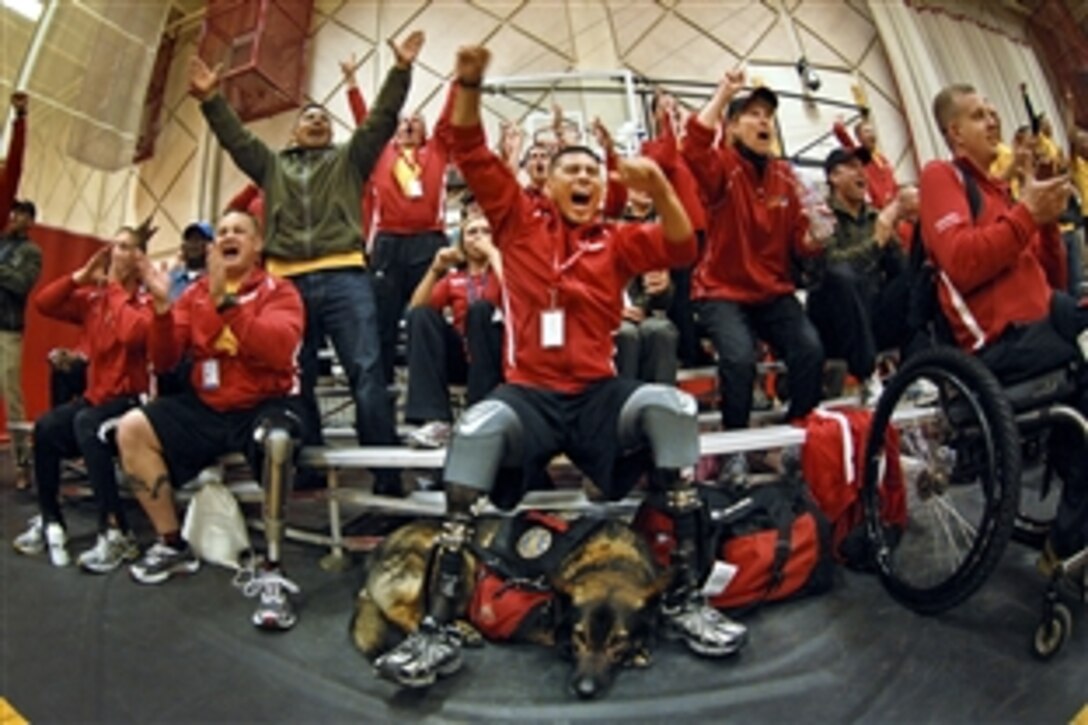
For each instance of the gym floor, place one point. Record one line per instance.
(78, 647)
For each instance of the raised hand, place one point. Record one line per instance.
(347, 69)
(732, 81)
(217, 273)
(408, 49)
(471, 64)
(604, 137)
(1045, 199)
(19, 102)
(641, 174)
(445, 258)
(203, 81)
(94, 269)
(155, 282)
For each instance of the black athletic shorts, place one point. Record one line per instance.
(584, 426)
(194, 436)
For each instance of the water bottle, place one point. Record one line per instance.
(821, 218)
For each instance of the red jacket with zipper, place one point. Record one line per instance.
(114, 326)
(254, 344)
(581, 270)
(994, 271)
(754, 223)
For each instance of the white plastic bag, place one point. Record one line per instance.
(214, 526)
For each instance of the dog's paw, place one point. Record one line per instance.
(640, 659)
(470, 636)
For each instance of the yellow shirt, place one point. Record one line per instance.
(1004, 160)
(285, 268)
(1080, 180)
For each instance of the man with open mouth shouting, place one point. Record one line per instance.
(563, 271)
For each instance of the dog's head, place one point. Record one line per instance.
(608, 621)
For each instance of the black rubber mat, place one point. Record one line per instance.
(77, 647)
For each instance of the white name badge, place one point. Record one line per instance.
(415, 189)
(552, 323)
(209, 374)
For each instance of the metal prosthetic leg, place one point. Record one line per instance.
(664, 418)
(277, 439)
(487, 437)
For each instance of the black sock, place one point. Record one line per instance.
(173, 540)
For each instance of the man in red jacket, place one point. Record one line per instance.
(242, 329)
(408, 204)
(743, 283)
(104, 298)
(563, 271)
(998, 272)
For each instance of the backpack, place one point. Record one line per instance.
(513, 596)
(925, 322)
(769, 542)
(832, 461)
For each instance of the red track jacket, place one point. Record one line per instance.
(254, 345)
(754, 223)
(114, 332)
(580, 270)
(994, 271)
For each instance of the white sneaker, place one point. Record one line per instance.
(110, 550)
(57, 541)
(435, 434)
(871, 390)
(31, 541)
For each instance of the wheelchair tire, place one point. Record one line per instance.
(960, 453)
(1052, 632)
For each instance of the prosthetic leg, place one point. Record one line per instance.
(487, 437)
(277, 439)
(664, 418)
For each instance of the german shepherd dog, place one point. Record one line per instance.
(607, 588)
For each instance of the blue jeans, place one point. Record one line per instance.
(340, 305)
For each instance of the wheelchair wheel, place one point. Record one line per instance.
(960, 455)
(1052, 632)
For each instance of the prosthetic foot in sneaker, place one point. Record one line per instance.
(433, 650)
(274, 610)
(705, 630)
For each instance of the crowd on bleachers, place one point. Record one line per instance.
(578, 284)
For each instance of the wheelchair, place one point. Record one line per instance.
(964, 441)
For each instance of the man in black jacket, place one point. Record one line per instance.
(20, 265)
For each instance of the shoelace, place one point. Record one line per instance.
(269, 584)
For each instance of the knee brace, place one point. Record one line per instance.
(277, 439)
(665, 417)
(488, 436)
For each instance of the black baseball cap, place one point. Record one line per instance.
(741, 101)
(843, 155)
(25, 206)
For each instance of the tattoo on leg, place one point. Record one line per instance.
(137, 484)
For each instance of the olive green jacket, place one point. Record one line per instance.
(311, 196)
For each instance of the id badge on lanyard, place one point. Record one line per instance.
(209, 374)
(552, 326)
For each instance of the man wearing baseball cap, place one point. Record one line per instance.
(195, 239)
(743, 285)
(863, 280)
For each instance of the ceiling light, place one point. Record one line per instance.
(29, 9)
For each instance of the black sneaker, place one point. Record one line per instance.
(160, 562)
(431, 651)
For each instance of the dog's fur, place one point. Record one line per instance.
(608, 588)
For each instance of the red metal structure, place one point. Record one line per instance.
(261, 45)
